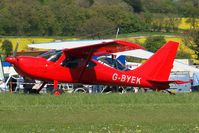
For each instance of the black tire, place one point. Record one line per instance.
(80, 90)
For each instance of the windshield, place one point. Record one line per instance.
(113, 63)
(52, 55)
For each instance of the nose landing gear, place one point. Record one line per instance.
(57, 92)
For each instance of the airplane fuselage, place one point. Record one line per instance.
(97, 73)
(76, 65)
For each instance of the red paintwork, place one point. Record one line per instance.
(57, 93)
(102, 49)
(154, 73)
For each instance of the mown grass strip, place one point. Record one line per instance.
(150, 112)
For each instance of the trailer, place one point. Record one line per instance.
(180, 75)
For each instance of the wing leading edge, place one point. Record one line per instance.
(59, 45)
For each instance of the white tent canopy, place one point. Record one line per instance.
(143, 54)
(1, 71)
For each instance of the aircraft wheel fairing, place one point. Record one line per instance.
(57, 92)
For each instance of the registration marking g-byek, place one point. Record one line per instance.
(126, 78)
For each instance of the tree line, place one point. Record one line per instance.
(92, 18)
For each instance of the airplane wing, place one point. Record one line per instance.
(170, 81)
(82, 46)
(139, 53)
(59, 45)
(98, 49)
(102, 48)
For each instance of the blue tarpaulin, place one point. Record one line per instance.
(6, 64)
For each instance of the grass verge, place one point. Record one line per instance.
(151, 112)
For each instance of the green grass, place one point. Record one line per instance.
(133, 113)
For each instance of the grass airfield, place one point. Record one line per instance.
(90, 113)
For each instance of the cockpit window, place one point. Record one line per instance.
(112, 63)
(70, 62)
(90, 65)
(48, 54)
(55, 57)
(73, 62)
(52, 55)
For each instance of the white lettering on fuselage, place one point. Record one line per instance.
(126, 78)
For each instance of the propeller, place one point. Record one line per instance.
(15, 50)
(12, 59)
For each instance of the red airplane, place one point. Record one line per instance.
(76, 65)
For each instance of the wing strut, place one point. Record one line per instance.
(85, 64)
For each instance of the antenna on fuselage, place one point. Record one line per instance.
(118, 30)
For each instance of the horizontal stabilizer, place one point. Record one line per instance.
(169, 81)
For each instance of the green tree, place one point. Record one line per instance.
(196, 3)
(183, 55)
(47, 23)
(69, 16)
(187, 8)
(159, 6)
(97, 27)
(65, 17)
(171, 23)
(127, 21)
(195, 43)
(6, 47)
(158, 22)
(85, 3)
(136, 5)
(6, 26)
(153, 43)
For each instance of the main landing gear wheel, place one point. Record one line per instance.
(57, 92)
(80, 90)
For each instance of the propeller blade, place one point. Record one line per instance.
(15, 51)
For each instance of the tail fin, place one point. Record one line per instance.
(158, 66)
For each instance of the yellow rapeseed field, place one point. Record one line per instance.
(24, 41)
(139, 40)
(182, 47)
(185, 24)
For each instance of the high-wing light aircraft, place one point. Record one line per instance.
(76, 65)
